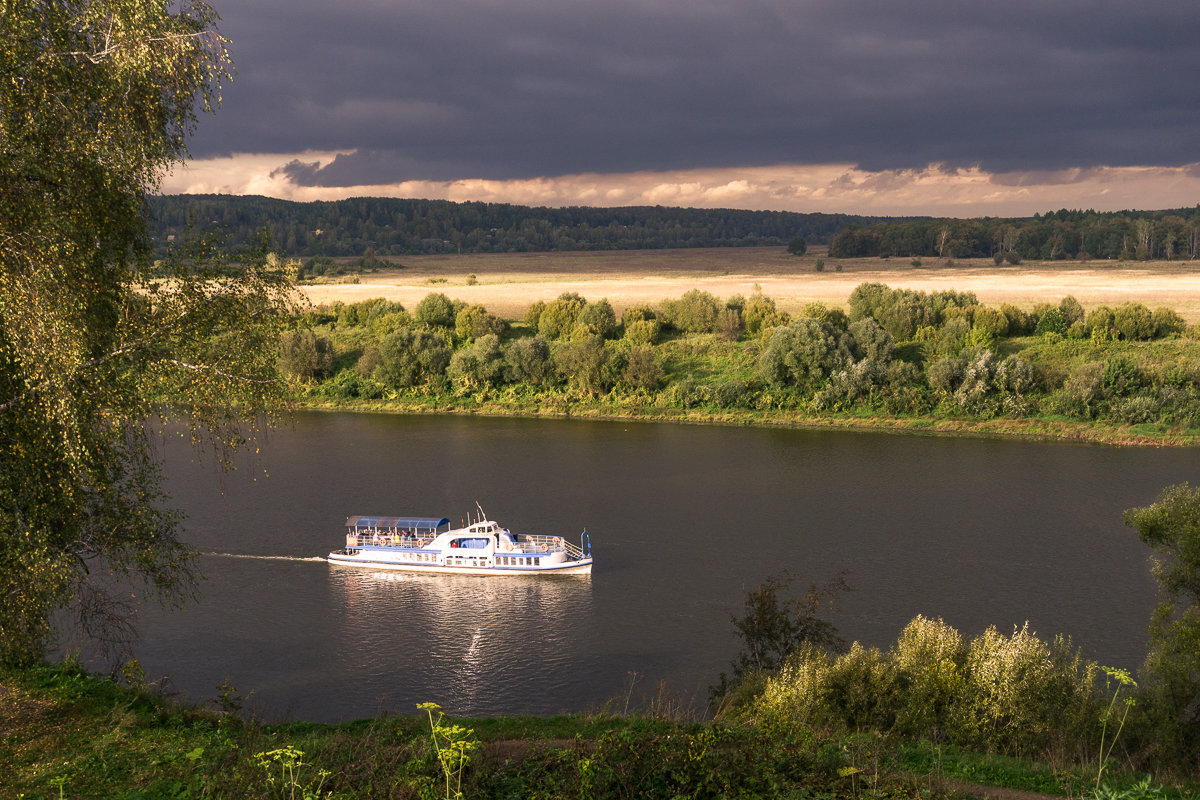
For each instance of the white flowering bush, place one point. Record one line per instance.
(1023, 695)
(1013, 694)
(931, 657)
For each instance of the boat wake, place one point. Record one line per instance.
(267, 558)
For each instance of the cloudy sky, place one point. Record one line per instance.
(955, 107)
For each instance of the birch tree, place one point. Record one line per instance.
(98, 340)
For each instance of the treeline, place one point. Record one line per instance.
(1125, 235)
(394, 227)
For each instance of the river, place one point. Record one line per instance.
(684, 521)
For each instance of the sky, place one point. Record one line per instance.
(941, 107)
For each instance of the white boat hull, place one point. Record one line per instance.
(375, 561)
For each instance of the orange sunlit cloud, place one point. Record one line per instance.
(831, 188)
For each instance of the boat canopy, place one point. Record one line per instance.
(410, 524)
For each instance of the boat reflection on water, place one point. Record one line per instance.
(475, 645)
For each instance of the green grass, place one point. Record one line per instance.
(61, 728)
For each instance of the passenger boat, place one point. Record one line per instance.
(428, 544)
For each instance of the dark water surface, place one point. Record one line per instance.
(684, 521)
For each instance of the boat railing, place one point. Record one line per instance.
(534, 543)
(386, 540)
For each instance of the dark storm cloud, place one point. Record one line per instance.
(483, 88)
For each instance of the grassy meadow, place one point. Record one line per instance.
(508, 283)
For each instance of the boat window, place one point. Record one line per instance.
(475, 544)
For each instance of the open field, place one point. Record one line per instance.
(509, 283)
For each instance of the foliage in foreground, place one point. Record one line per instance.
(95, 739)
(1171, 527)
(1015, 695)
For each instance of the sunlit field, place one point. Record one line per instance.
(506, 284)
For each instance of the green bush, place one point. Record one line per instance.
(1167, 323)
(945, 375)
(729, 324)
(1072, 310)
(1122, 377)
(1082, 394)
(637, 314)
(870, 341)
(599, 317)
(1024, 696)
(1019, 323)
(931, 659)
(305, 355)
(642, 332)
(479, 365)
(436, 310)
(1169, 723)
(642, 369)
(533, 314)
(527, 360)
(1017, 695)
(410, 357)
(803, 354)
(474, 321)
(695, 312)
(761, 315)
(558, 318)
(1051, 320)
(1134, 322)
(585, 365)
(992, 321)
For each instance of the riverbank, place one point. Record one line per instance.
(65, 733)
(1049, 430)
(900, 360)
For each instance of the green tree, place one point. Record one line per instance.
(695, 312)
(803, 353)
(528, 360)
(797, 246)
(600, 318)
(98, 341)
(475, 321)
(436, 311)
(305, 355)
(1134, 321)
(642, 370)
(410, 357)
(1171, 526)
(558, 318)
(480, 364)
(584, 365)
(776, 623)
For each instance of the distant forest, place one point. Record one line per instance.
(394, 227)
(1141, 235)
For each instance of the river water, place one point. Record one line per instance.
(684, 521)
